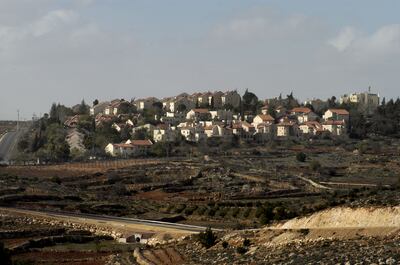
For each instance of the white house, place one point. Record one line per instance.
(198, 115)
(129, 148)
(149, 127)
(231, 98)
(337, 115)
(263, 118)
(145, 103)
(164, 133)
(286, 129)
(173, 117)
(188, 133)
(99, 108)
(311, 128)
(173, 104)
(211, 131)
(221, 115)
(336, 128)
(303, 114)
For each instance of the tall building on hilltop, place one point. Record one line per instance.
(367, 101)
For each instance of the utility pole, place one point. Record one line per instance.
(18, 120)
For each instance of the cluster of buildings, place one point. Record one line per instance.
(201, 116)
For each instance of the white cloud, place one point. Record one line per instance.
(52, 21)
(261, 25)
(384, 41)
(344, 39)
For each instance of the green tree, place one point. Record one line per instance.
(249, 102)
(160, 149)
(5, 257)
(127, 108)
(301, 157)
(141, 134)
(181, 108)
(54, 113)
(83, 108)
(315, 165)
(207, 238)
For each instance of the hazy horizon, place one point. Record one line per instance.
(65, 51)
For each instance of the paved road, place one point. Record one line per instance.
(7, 143)
(119, 220)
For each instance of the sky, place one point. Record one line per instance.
(64, 51)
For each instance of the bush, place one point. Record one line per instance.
(305, 231)
(241, 250)
(247, 212)
(5, 257)
(279, 213)
(211, 212)
(201, 210)
(190, 210)
(264, 220)
(56, 179)
(207, 238)
(235, 211)
(301, 157)
(315, 166)
(179, 208)
(246, 242)
(225, 244)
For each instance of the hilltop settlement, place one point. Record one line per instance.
(201, 122)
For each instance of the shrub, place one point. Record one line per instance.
(305, 231)
(190, 210)
(247, 212)
(315, 165)
(279, 213)
(235, 212)
(56, 179)
(211, 212)
(246, 242)
(223, 212)
(241, 250)
(207, 238)
(225, 244)
(301, 157)
(201, 210)
(4, 255)
(264, 219)
(180, 208)
(259, 212)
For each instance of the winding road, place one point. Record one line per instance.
(7, 142)
(127, 223)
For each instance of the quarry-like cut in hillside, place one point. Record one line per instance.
(346, 217)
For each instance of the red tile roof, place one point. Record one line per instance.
(201, 110)
(237, 126)
(266, 117)
(141, 142)
(339, 111)
(301, 110)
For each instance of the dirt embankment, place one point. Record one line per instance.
(346, 217)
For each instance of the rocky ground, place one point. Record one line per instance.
(363, 250)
